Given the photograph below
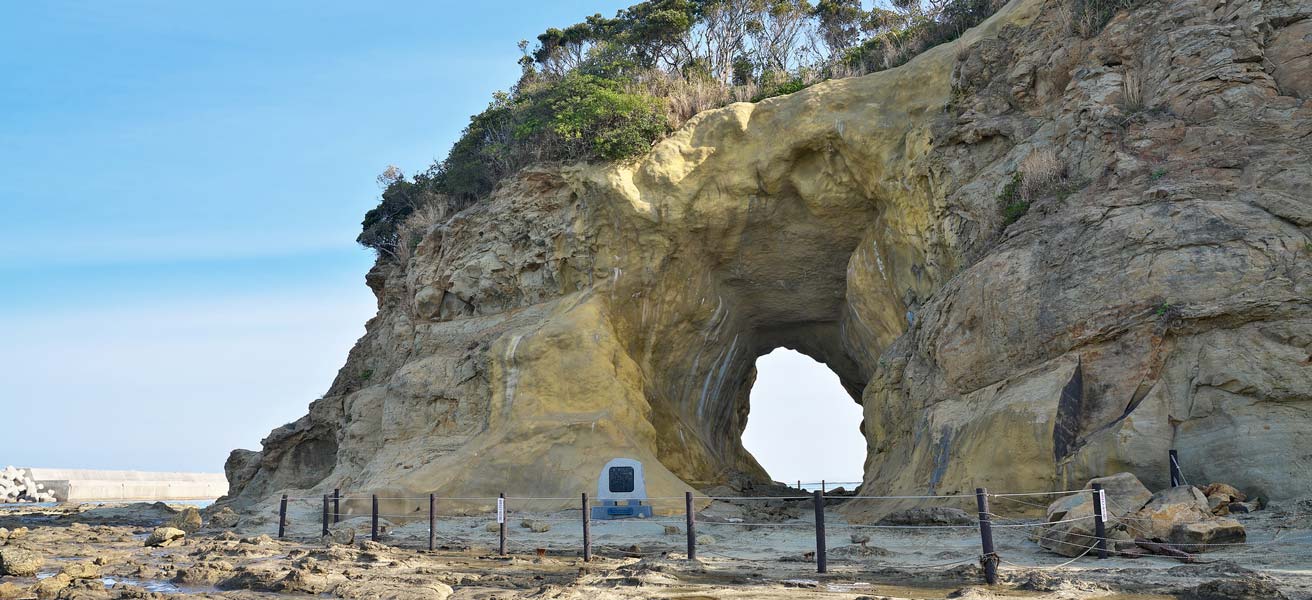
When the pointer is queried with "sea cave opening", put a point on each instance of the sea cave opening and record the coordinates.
(803, 425)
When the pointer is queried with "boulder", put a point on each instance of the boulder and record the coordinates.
(224, 518)
(1221, 496)
(1242, 507)
(163, 537)
(204, 572)
(340, 534)
(1168, 508)
(17, 562)
(51, 586)
(188, 520)
(81, 570)
(1072, 531)
(933, 515)
(535, 526)
(1199, 535)
(1224, 489)
(1235, 588)
(11, 591)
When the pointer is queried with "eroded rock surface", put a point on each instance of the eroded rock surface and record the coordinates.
(1155, 294)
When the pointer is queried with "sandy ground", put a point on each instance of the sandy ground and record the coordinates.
(767, 555)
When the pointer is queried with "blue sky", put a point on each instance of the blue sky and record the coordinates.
(181, 185)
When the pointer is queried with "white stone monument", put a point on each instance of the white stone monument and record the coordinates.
(621, 490)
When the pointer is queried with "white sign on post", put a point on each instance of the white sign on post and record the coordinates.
(1102, 502)
(501, 510)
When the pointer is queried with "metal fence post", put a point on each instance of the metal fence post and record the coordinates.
(692, 525)
(1176, 478)
(989, 560)
(337, 504)
(1100, 519)
(587, 530)
(282, 516)
(821, 561)
(373, 524)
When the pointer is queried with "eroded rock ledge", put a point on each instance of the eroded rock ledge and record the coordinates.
(1160, 277)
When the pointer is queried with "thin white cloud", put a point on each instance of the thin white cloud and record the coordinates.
(173, 386)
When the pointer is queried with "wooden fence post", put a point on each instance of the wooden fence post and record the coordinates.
(373, 524)
(587, 530)
(821, 561)
(1100, 519)
(989, 560)
(432, 522)
(282, 516)
(691, 517)
(501, 517)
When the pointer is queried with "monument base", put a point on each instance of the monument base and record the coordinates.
(633, 510)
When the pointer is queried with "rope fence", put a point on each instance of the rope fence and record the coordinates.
(487, 521)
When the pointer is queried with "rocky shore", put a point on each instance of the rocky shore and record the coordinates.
(157, 550)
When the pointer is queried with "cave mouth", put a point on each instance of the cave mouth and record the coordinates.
(802, 424)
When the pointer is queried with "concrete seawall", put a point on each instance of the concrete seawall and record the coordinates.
(78, 485)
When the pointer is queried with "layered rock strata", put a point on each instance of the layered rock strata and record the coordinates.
(1154, 295)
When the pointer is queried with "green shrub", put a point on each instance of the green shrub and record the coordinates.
(785, 87)
(585, 117)
(904, 38)
(1088, 17)
(598, 89)
(578, 117)
(1010, 202)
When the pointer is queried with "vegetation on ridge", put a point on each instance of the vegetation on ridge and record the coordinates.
(607, 88)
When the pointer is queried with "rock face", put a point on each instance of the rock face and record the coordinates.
(932, 515)
(1154, 294)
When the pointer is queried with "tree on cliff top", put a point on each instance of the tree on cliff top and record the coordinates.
(605, 89)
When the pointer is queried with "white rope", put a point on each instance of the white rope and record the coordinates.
(908, 526)
(1016, 523)
(744, 524)
(1048, 568)
(948, 496)
(755, 498)
(1178, 469)
(1057, 493)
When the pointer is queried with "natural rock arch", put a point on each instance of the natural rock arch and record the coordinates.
(589, 312)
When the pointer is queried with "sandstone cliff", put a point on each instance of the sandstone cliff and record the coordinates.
(1155, 294)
